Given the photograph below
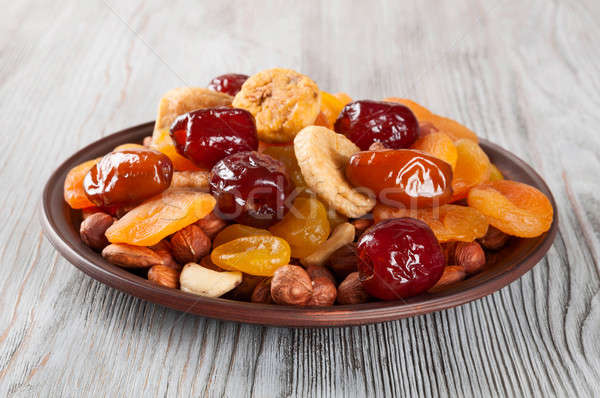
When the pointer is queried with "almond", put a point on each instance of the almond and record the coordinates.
(350, 291)
(211, 225)
(452, 274)
(129, 256)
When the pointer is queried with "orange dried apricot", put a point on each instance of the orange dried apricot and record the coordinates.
(286, 154)
(343, 97)
(331, 106)
(419, 111)
(513, 207)
(452, 128)
(472, 168)
(495, 174)
(254, 255)
(439, 145)
(448, 222)
(305, 227)
(73, 189)
(161, 141)
(160, 216)
(236, 231)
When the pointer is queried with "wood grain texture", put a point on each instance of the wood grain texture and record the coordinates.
(525, 75)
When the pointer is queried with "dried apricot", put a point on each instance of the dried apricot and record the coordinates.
(160, 216)
(472, 168)
(439, 145)
(513, 207)
(419, 110)
(236, 231)
(73, 189)
(495, 174)
(305, 227)
(331, 107)
(343, 97)
(254, 255)
(124, 147)
(162, 141)
(448, 222)
(452, 128)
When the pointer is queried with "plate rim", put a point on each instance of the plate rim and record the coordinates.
(276, 315)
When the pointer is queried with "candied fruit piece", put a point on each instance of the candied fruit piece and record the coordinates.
(305, 227)
(286, 155)
(251, 187)
(495, 174)
(74, 192)
(448, 222)
(235, 231)
(230, 83)
(162, 142)
(513, 207)
(402, 177)
(419, 110)
(331, 107)
(439, 145)
(254, 255)
(472, 168)
(160, 216)
(127, 177)
(365, 122)
(399, 258)
(206, 136)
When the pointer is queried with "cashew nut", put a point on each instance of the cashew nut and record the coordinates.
(205, 282)
(341, 235)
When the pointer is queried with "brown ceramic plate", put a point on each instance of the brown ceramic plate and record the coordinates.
(61, 226)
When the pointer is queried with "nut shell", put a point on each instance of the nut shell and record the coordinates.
(129, 256)
(350, 291)
(470, 255)
(190, 244)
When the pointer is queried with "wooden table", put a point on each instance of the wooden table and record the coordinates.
(525, 75)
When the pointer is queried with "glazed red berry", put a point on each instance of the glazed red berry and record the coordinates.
(252, 188)
(206, 136)
(399, 258)
(365, 122)
(230, 83)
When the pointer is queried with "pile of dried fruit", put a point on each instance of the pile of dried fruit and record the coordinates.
(266, 189)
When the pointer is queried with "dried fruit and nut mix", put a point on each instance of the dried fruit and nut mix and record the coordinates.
(265, 189)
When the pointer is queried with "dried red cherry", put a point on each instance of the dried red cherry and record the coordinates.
(365, 122)
(206, 136)
(252, 188)
(399, 258)
(127, 177)
(230, 83)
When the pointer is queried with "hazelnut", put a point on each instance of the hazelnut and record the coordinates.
(211, 225)
(470, 255)
(262, 292)
(291, 285)
(129, 256)
(147, 141)
(350, 291)
(344, 261)
(92, 230)
(162, 245)
(190, 244)
(324, 292)
(164, 276)
(244, 290)
(494, 239)
(316, 271)
(452, 274)
(168, 259)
